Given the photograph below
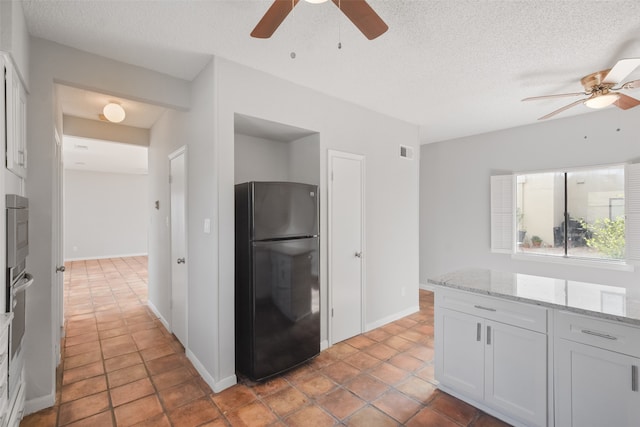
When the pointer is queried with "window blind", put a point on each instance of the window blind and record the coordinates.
(502, 216)
(632, 211)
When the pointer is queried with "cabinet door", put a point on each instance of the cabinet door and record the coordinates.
(460, 352)
(16, 114)
(595, 387)
(516, 372)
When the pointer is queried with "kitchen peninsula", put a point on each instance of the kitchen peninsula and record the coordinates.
(539, 351)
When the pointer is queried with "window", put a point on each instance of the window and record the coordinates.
(572, 214)
(586, 214)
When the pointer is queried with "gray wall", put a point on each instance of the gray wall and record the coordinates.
(391, 189)
(105, 214)
(193, 129)
(261, 159)
(454, 188)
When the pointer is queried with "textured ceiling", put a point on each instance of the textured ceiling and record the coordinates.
(455, 68)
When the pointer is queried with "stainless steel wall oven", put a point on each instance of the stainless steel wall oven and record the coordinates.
(18, 280)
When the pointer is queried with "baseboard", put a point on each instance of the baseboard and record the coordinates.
(216, 386)
(105, 257)
(428, 287)
(324, 344)
(392, 318)
(34, 405)
(157, 313)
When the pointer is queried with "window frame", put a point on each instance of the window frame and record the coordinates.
(632, 219)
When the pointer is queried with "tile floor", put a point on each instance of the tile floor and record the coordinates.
(121, 367)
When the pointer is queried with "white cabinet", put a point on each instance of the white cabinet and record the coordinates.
(486, 360)
(5, 322)
(597, 365)
(460, 352)
(16, 121)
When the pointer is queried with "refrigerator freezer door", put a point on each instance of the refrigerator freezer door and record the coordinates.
(287, 304)
(284, 210)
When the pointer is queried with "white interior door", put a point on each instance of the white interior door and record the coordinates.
(179, 273)
(346, 257)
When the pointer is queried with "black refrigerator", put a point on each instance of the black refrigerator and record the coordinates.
(277, 288)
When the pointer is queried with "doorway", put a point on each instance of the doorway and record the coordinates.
(346, 243)
(179, 271)
(100, 190)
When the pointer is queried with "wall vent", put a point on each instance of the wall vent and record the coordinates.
(406, 152)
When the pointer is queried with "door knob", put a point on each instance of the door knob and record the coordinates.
(60, 269)
(181, 260)
(358, 254)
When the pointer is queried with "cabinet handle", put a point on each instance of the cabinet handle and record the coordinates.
(484, 308)
(488, 335)
(598, 334)
(479, 332)
(634, 378)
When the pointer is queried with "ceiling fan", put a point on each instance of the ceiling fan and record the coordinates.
(603, 89)
(358, 11)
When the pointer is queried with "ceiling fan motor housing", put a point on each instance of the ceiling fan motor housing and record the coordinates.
(593, 83)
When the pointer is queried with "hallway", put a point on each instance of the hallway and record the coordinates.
(121, 367)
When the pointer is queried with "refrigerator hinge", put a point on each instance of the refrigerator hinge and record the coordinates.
(169, 179)
(332, 312)
(331, 175)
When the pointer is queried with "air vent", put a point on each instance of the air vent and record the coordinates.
(406, 152)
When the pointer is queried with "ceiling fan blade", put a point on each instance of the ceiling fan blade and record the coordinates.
(634, 84)
(560, 95)
(363, 16)
(621, 70)
(560, 110)
(273, 18)
(625, 102)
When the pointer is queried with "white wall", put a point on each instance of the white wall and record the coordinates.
(220, 91)
(53, 63)
(391, 252)
(195, 129)
(454, 188)
(106, 214)
(304, 160)
(14, 37)
(260, 159)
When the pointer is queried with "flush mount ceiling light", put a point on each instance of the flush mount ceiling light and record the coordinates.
(315, 1)
(602, 100)
(113, 112)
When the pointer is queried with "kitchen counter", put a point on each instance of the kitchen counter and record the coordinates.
(607, 302)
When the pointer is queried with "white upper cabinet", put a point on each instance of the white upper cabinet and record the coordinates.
(16, 121)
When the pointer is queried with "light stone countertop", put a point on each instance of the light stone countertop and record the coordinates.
(607, 302)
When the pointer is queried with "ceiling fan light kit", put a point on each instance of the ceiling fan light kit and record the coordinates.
(602, 101)
(601, 88)
(357, 11)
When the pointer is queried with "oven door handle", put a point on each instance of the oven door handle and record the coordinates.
(26, 282)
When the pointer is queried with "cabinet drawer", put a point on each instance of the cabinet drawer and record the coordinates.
(614, 336)
(514, 313)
